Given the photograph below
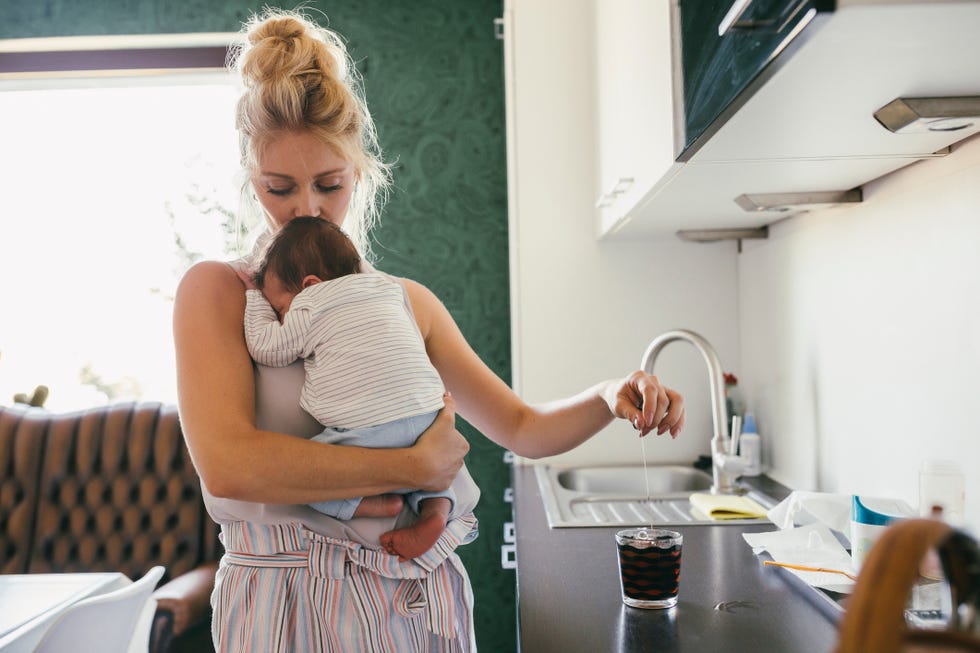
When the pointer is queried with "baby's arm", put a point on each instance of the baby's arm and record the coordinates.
(269, 342)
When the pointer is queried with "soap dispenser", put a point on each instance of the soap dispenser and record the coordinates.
(750, 447)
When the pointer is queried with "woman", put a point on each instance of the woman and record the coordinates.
(291, 578)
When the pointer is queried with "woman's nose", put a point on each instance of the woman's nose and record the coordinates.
(308, 204)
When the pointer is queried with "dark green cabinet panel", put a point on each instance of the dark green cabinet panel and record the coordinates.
(717, 69)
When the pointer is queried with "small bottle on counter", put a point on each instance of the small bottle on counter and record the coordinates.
(942, 485)
(750, 447)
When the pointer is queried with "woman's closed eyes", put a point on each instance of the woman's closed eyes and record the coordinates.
(320, 188)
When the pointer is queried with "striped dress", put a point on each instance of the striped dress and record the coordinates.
(284, 589)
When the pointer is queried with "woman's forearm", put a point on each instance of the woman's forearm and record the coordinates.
(558, 426)
(561, 425)
(267, 467)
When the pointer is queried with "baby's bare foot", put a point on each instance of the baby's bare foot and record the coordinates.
(381, 505)
(413, 541)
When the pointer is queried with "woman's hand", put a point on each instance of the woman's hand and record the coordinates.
(647, 405)
(438, 453)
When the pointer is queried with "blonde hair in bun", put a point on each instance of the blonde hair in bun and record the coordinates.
(297, 76)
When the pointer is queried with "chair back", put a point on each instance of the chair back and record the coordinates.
(115, 622)
(874, 621)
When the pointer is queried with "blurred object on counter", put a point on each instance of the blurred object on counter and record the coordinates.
(869, 518)
(876, 618)
(942, 485)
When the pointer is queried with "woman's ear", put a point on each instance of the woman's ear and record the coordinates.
(311, 279)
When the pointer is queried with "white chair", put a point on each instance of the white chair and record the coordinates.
(115, 622)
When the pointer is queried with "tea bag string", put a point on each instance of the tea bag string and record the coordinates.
(646, 478)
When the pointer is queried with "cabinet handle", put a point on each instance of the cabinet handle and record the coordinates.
(732, 20)
(508, 556)
(621, 186)
(508, 552)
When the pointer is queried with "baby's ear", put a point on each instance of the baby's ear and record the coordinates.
(311, 279)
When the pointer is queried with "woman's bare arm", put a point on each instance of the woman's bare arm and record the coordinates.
(492, 407)
(216, 395)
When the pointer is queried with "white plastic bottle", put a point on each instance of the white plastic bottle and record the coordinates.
(750, 447)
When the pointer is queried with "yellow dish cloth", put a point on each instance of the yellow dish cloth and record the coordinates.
(723, 506)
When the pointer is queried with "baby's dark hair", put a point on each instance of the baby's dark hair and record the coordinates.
(305, 246)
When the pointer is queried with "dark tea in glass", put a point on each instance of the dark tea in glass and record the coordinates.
(649, 566)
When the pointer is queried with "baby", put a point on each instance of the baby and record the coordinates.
(368, 378)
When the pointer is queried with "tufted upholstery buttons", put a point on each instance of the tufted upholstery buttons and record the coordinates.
(106, 489)
(21, 443)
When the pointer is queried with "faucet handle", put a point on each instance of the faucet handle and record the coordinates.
(730, 464)
(736, 433)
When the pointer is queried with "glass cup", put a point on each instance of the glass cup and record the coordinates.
(649, 566)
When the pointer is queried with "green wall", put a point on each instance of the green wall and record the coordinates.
(433, 74)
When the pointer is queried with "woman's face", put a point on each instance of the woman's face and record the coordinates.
(298, 175)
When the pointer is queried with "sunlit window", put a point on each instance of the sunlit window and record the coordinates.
(109, 194)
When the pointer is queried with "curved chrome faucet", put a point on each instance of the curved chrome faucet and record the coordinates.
(726, 466)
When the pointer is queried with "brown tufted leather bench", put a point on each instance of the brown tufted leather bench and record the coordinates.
(110, 489)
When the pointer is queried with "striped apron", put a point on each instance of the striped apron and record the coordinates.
(283, 588)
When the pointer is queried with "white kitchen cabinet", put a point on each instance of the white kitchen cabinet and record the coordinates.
(806, 124)
(635, 112)
(701, 196)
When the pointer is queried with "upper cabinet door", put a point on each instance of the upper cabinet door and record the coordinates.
(725, 45)
(635, 103)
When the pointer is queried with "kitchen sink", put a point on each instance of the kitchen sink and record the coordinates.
(631, 481)
(618, 495)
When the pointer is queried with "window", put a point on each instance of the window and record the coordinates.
(111, 190)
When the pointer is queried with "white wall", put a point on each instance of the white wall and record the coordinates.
(585, 310)
(860, 334)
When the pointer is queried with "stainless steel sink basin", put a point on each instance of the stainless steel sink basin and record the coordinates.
(617, 495)
(630, 480)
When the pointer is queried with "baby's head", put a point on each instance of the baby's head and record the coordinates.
(305, 251)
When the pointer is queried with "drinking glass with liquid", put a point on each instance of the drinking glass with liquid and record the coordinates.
(649, 566)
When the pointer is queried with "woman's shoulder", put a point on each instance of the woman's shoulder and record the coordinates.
(211, 281)
(423, 302)
(418, 292)
(425, 306)
(214, 272)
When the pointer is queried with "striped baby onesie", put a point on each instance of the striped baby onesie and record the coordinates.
(364, 357)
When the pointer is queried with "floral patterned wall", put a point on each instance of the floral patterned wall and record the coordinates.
(433, 74)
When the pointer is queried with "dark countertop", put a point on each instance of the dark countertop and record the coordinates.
(569, 598)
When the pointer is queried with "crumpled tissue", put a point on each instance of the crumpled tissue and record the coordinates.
(801, 508)
(807, 521)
